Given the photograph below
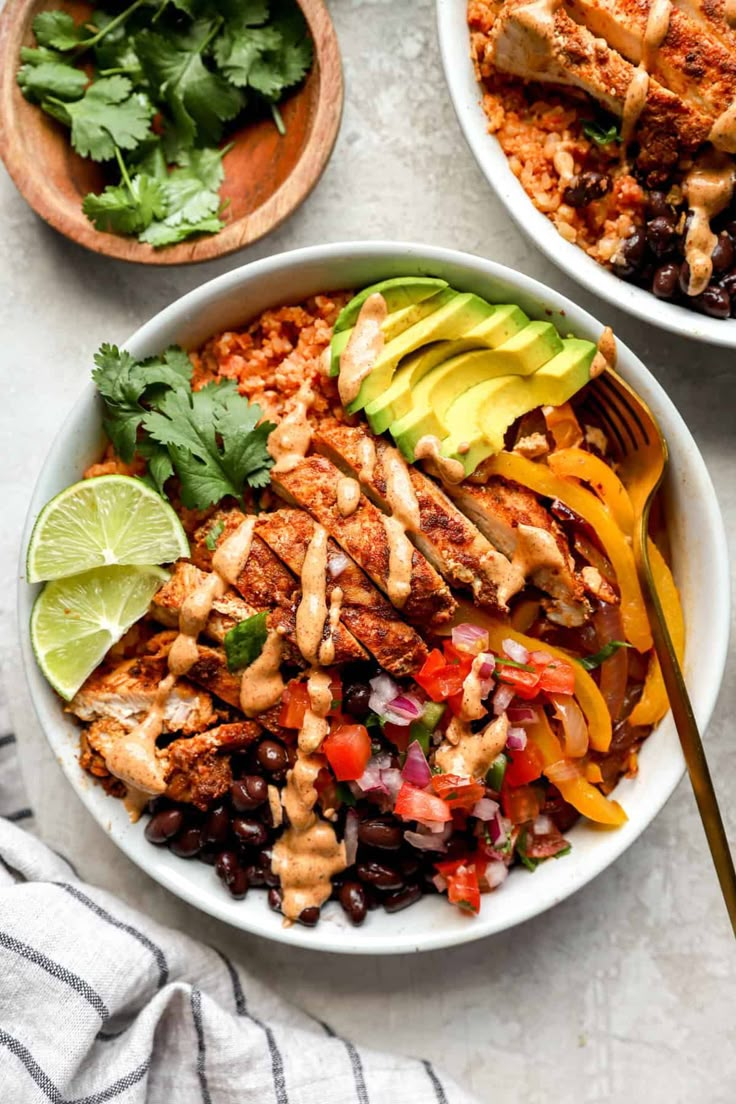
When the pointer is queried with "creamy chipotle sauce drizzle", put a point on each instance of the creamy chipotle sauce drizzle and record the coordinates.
(348, 495)
(655, 32)
(471, 705)
(363, 349)
(448, 470)
(312, 611)
(468, 753)
(289, 442)
(708, 188)
(261, 684)
(367, 458)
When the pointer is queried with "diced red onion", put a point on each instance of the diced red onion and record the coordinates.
(336, 564)
(542, 659)
(502, 698)
(562, 771)
(403, 709)
(371, 780)
(515, 651)
(497, 831)
(569, 712)
(392, 782)
(495, 873)
(516, 739)
(428, 841)
(470, 638)
(416, 768)
(351, 836)
(521, 714)
(543, 825)
(440, 883)
(383, 690)
(488, 666)
(485, 809)
(435, 826)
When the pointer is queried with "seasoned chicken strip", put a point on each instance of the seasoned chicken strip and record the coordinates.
(313, 486)
(364, 611)
(451, 543)
(539, 42)
(211, 671)
(516, 522)
(126, 692)
(198, 769)
(264, 582)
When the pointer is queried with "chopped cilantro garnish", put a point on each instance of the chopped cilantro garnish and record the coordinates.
(589, 663)
(244, 642)
(601, 134)
(216, 531)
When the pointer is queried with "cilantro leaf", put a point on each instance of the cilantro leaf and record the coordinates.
(244, 642)
(124, 209)
(589, 663)
(600, 134)
(51, 78)
(237, 50)
(57, 29)
(191, 199)
(159, 465)
(281, 68)
(123, 382)
(216, 531)
(200, 101)
(213, 440)
(159, 234)
(107, 116)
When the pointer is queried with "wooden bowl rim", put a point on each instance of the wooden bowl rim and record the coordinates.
(236, 235)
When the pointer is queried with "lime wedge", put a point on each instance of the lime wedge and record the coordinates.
(75, 621)
(112, 519)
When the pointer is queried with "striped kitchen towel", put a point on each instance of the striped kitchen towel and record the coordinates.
(99, 1003)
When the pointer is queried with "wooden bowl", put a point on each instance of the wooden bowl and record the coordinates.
(267, 176)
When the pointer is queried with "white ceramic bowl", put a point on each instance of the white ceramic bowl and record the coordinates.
(454, 38)
(699, 554)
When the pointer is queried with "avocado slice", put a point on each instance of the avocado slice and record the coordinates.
(395, 323)
(399, 292)
(521, 355)
(461, 313)
(504, 321)
(477, 421)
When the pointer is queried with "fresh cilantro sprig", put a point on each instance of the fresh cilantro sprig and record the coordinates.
(213, 439)
(153, 89)
(602, 134)
(244, 642)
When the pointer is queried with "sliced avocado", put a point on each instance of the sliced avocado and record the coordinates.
(521, 355)
(395, 323)
(504, 321)
(400, 291)
(463, 311)
(477, 421)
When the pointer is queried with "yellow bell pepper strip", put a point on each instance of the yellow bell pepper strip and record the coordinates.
(579, 464)
(563, 425)
(541, 479)
(653, 703)
(587, 693)
(566, 775)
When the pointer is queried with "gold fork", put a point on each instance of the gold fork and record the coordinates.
(642, 451)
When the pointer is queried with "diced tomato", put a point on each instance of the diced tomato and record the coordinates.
(457, 792)
(524, 766)
(415, 804)
(455, 702)
(425, 676)
(463, 889)
(441, 679)
(348, 749)
(455, 655)
(294, 705)
(399, 735)
(525, 683)
(521, 803)
(555, 676)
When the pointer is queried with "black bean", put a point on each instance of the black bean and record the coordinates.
(379, 875)
(272, 756)
(402, 898)
(657, 205)
(355, 699)
(226, 865)
(208, 855)
(585, 188)
(275, 899)
(239, 885)
(248, 792)
(715, 301)
(457, 846)
(164, 825)
(353, 901)
(380, 832)
(309, 916)
(216, 827)
(665, 281)
(661, 235)
(255, 875)
(250, 832)
(723, 253)
(265, 863)
(630, 256)
(187, 844)
(409, 866)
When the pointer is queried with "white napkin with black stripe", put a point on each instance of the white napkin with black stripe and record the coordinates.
(99, 1003)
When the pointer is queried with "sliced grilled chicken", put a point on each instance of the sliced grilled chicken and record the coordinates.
(313, 486)
(542, 43)
(125, 693)
(264, 581)
(450, 542)
(516, 522)
(691, 61)
(198, 770)
(211, 671)
(396, 646)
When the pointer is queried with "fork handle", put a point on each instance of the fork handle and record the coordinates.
(692, 745)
